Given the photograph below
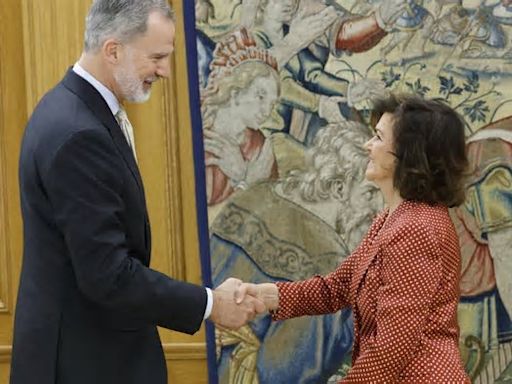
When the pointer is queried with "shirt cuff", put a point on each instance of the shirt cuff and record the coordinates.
(209, 304)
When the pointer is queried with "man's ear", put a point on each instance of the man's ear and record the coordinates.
(111, 50)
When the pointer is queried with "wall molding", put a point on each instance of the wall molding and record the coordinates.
(184, 351)
(5, 299)
(5, 353)
(172, 351)
(182, 183)
(173, 193)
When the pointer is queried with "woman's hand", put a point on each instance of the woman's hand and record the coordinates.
(268, 293)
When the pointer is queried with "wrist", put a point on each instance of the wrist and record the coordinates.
(215, 306)
(270, 295)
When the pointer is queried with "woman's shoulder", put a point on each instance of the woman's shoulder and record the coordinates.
(416, 210)
(420, 217)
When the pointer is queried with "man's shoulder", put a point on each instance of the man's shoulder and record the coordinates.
(61, 112)
(59, 116)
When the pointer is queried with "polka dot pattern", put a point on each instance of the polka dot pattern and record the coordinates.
(402, 283)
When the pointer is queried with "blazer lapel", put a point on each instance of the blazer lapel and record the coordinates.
(370, 251)
(92, 98)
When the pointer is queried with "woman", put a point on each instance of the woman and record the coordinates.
(402, 282)
(307, 224)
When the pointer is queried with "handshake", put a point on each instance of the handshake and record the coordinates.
(235, 303)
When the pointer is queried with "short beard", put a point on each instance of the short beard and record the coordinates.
(130, 85)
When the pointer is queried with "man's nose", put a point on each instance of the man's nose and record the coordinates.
(164, 68)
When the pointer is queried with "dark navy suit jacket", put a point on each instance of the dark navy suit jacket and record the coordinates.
(88, 305)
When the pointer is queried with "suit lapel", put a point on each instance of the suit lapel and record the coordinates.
(92, 98)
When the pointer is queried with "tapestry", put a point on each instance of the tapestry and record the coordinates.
(280, 110)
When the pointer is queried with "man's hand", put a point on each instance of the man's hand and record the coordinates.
(230, 314)
(268, 293)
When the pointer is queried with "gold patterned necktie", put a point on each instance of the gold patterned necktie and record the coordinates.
(126, 127)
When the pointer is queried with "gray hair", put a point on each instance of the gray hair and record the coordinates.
(121, 19)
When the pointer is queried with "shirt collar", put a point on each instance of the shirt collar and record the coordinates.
(106, 93)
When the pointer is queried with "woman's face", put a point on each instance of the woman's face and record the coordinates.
(254, 104)
(382, 161)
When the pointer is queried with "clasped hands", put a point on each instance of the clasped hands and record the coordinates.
(235, 303)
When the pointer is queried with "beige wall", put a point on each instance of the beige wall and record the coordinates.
(39, 40)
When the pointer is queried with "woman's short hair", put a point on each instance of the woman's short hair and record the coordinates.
(429, 144)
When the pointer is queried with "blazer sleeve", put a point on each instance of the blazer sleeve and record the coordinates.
(320, 294)
(411, 273)
(84, 184)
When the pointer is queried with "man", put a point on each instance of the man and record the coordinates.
(88, 305)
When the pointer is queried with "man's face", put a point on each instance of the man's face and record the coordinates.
(145, 59)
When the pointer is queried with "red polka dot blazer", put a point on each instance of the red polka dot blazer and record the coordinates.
(402, 283)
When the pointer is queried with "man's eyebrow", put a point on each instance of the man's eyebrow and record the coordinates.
(160, 54)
